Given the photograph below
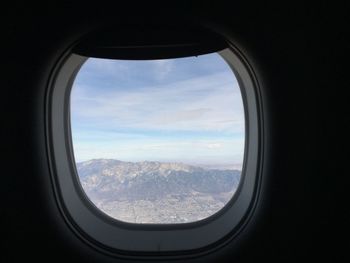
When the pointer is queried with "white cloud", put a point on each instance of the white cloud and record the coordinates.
(198, 120)
(162, 67)
(210, 103)
(180, 116)
(107, 66)
(214, 145)
(209, 151)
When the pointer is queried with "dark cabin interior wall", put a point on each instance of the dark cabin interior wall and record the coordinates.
(300, 56)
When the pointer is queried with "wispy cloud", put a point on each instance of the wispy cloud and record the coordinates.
(203, 103)
(185, 109)
(161, 149)
(162, 68)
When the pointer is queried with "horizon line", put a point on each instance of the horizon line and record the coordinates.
(202, 165)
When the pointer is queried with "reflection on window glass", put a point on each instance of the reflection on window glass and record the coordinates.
(158, 141)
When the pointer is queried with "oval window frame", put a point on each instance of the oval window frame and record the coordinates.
(114, 236)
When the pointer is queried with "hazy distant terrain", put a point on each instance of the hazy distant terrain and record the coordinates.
(156, 192)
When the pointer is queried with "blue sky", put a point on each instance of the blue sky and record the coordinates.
(185, 110)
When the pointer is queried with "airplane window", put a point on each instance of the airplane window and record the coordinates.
(158, 141)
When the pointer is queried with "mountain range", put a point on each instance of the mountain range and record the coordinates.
(108, 181)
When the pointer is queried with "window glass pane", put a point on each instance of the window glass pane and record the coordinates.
(158, 141)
